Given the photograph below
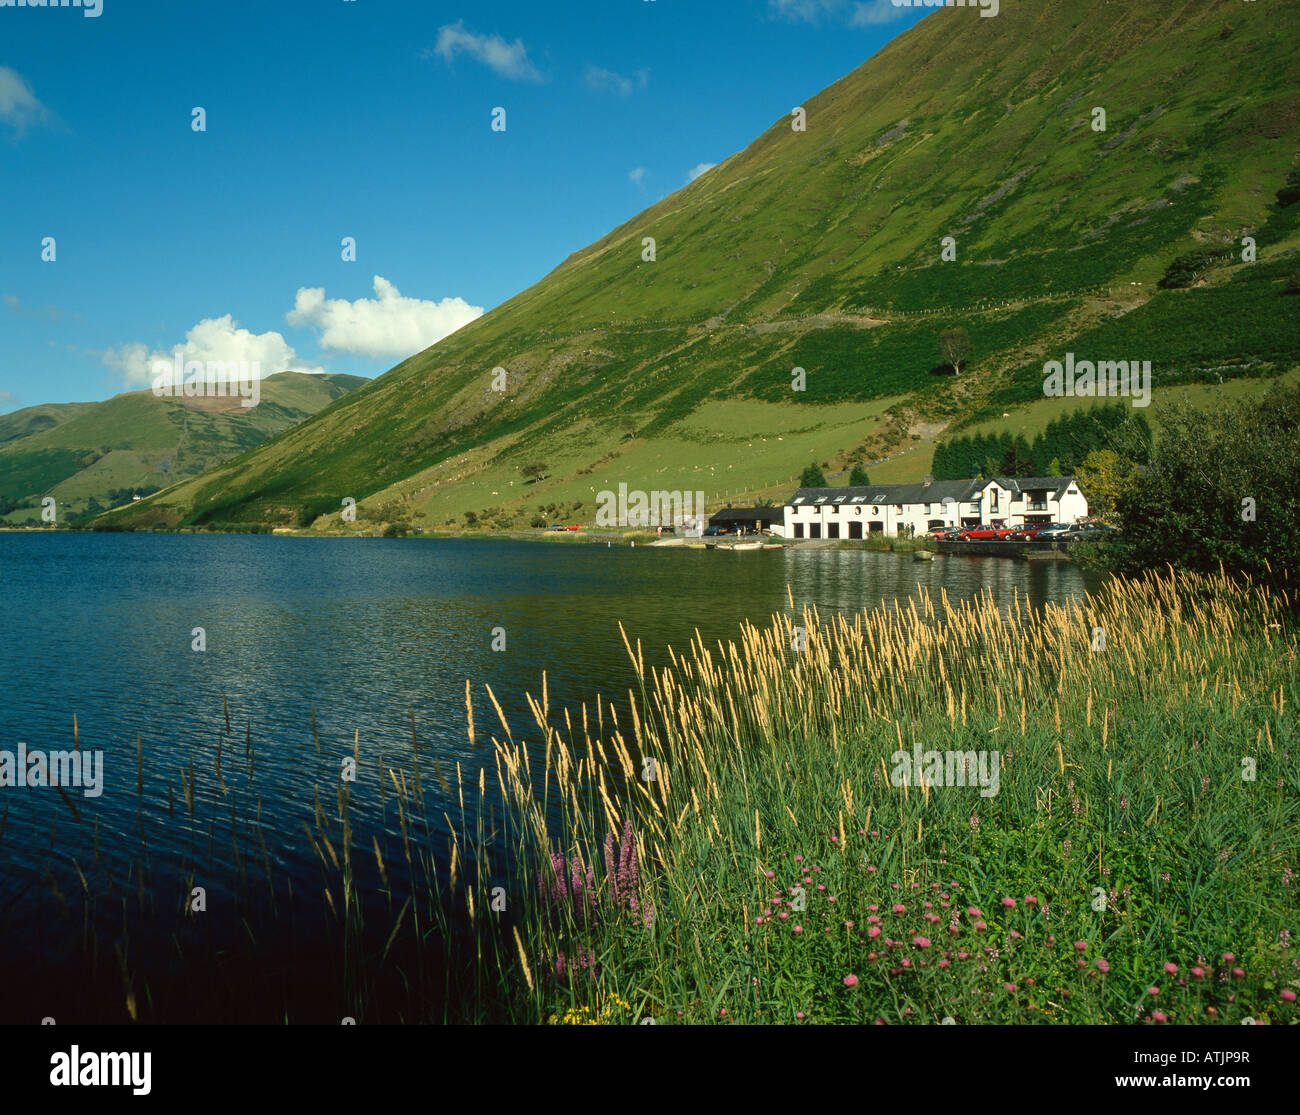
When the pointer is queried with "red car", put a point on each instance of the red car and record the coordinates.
(996, 532)
(1030, 532)
(574, 526)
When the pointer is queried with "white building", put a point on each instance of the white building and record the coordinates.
(901, 509)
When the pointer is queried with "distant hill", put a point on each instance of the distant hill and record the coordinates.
(821, 249)
(34, 420)
(93, 456)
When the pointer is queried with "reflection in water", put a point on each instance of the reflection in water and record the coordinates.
(365, 634)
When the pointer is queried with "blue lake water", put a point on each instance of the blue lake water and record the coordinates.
(367, 633)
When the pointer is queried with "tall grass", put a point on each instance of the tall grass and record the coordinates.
(1124, 813)
(652, 857)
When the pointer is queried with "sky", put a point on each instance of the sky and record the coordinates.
(364, 119)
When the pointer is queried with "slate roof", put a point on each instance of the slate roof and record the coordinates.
(747, 515)
(1054, 484)
(961, 491)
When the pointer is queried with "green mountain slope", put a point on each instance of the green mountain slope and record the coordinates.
(34, 420)
(821, 249)
(138, 441)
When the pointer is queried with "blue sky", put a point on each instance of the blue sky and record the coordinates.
(353, 118)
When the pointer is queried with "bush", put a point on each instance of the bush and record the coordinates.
(1222, 487)
(813, 477)
(1188, 268)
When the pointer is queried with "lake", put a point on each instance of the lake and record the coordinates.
(366, 633)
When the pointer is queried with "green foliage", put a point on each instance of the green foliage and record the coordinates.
(1221, 487)
(813, 477)
(858, 478)
(535, 471)
(1289, 194)
(1065, 443)
(1243, 327)
(1187, 269)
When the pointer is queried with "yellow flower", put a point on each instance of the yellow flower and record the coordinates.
(574, 1016)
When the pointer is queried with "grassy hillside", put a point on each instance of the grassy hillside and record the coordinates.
(80, 453)
(821, 249)
(33, 420)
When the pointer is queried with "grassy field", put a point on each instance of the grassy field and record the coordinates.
(1134, 862)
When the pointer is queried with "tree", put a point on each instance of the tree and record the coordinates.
(858, 478)
(535, 472)
(813, 477)
(1019, 459)
(1188, 268)
(1102, 476)
(1290, 193)
(954, 348)
(1222, 486)
(1054, 469)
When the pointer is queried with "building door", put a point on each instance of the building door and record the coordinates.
(855, 530)
(814, 530)
(832, 530)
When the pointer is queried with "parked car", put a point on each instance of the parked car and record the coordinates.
(1090, 532)
(980, 534)
(1056, 532)
(953, 534)
(937, 532)
(711, 531)
(557, 526)
(574, 526)
(1031, 532)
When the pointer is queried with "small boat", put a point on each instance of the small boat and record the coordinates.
(922, 555)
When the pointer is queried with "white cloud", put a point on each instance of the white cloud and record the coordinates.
(856, 13)
(15, 306)
(809, 11)
(871, 12)
(638, 175)
(19, 107)
(607, 81)
(214, 339)
(508, 60)
(388, 325)
(698, 169)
